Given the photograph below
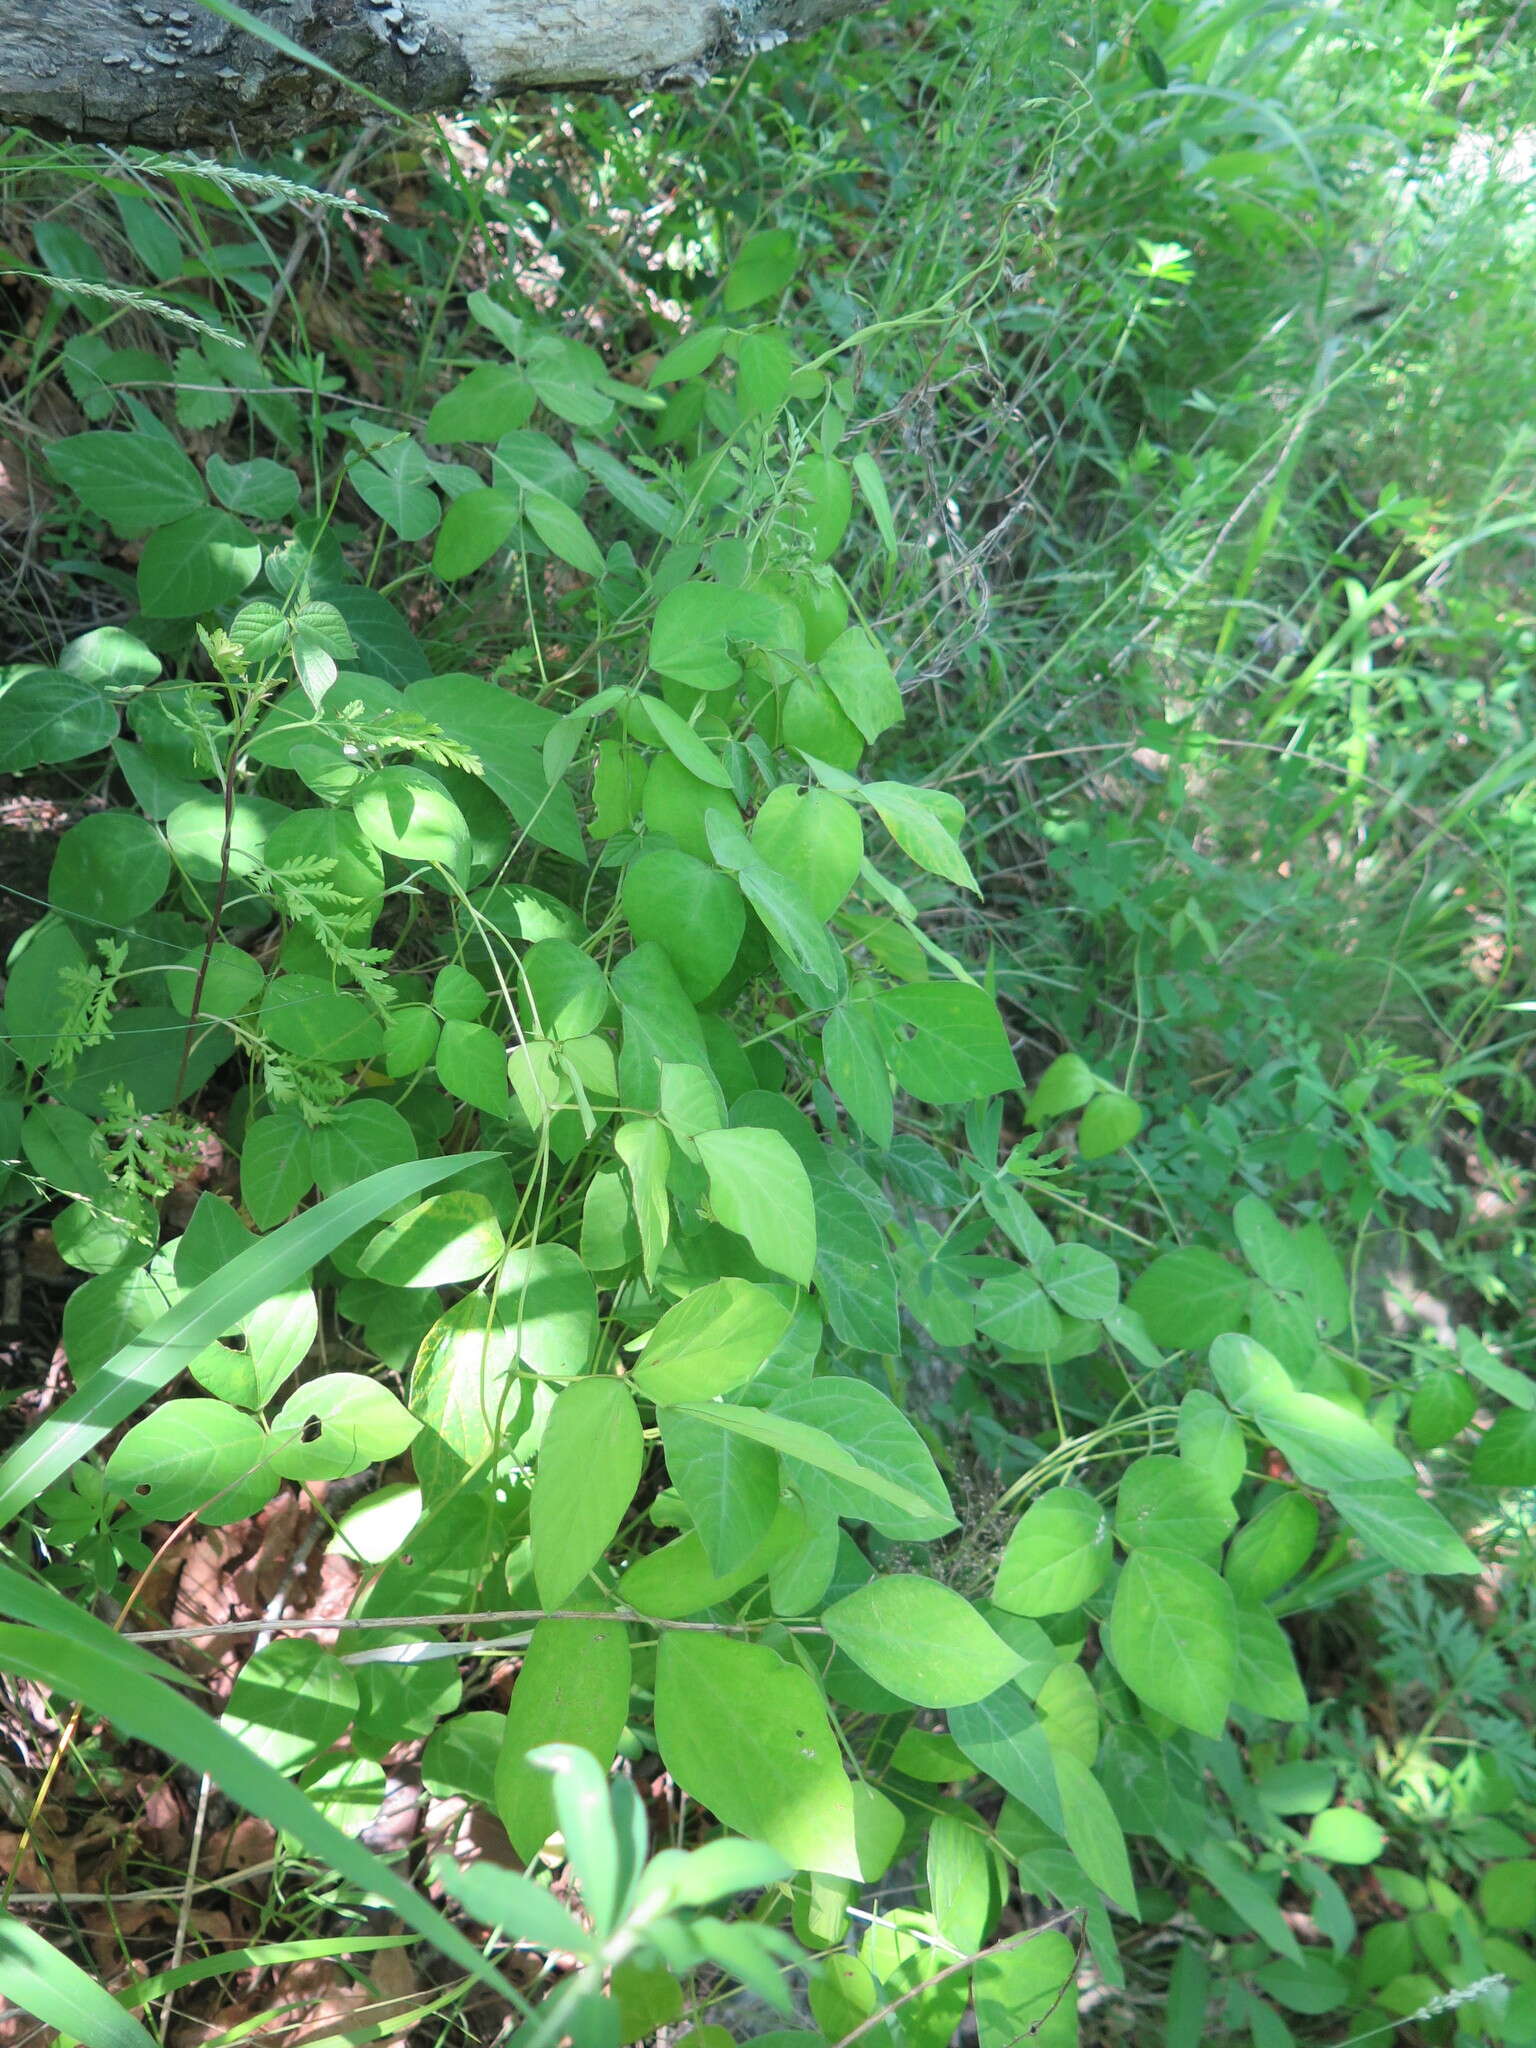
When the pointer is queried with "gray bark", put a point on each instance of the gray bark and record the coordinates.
(169, 72)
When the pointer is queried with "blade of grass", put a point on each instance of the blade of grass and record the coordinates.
(264, 32)
(150, 1711)
(59, 1993)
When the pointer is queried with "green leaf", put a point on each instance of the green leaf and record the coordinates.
(833, 1479)
(1211, 1441)
(952, 1046)
(444, 1241)
(699, 626)
(1082, 1282)
(1092, 1832)
(921, 1640)
(1400, 1525)
(855, 1277)
(639, 499)
(1506, 1451)
(1066, 1084)
(1275, 1254)
(170, 1343)
(1173, 1638)
(278, 1338)
(646, 1151)
(47, 715)
(1443, 1404)
(471, 1063)
(527, 1913)
(112, 657)
(1343, 1835)
(819, 504)
(305, 1015)
(570, 380)
(1015, 1311)
(259, 489)
(747, 1736)
(728, 1483)
(784, 909)
(573, 1687)
(690, 357)
(195, 565)
(506, 734)
(1187, 1298)
(109, 869)
(678, 1580)
(408, 506)
(59, 1993)
(466, 1394)
(1499, 1378)
(710, 1342)
(491, 400)
(925, 824)
(233, 983)
(759, 1188)
(149, 1711)
(1271, 1548)
(1369, 1482)
(1110, 1121)
(548, 1304)
(695, 914)
(765, 369)
(408, 813)
(855, 1060)
(1266, 1680)
(563, 532)
(856, 671)
(1028, 1991)
(589, 1466)
(684, 741)
(1164, 1504)
(872, 484)
(133, 481)
(292, 1700)
(476, 525)
(1247, 1895)
(1057, 1557)
(359, 1138)
(1003, 1738)
(276, 1167)
(962, 1880)
(764, 268)
(1189, 1997)
(815, 839)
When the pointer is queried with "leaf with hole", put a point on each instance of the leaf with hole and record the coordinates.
(949, 1044)
(193, 1455)
(339, 1424)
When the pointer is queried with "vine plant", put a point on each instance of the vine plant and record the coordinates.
(591, 1067)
